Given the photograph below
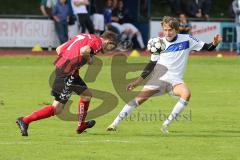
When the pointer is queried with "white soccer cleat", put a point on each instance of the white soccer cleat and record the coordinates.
(164, 129)
(111, 128)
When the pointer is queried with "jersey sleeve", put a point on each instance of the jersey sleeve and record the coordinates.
(154, 57)
(195, 44)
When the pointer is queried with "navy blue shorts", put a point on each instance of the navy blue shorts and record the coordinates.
(62, 90)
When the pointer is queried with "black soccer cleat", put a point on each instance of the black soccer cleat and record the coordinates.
(91, 123)
(22, 126)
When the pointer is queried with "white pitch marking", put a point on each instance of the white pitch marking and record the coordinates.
(105, 141)
(14, 143)
(93, 141)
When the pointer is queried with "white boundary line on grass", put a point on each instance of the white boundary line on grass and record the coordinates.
(74, 142)
(105, 141)
(14, 143)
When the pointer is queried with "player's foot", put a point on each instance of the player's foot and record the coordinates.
(111, 128)
(23, 126)
(164, 129)
(85, 125)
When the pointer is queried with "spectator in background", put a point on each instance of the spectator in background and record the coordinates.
(112, 26)
(43, 8)
(120, 14)
(184, 25)
(49, 7)
(60, 13)
(122, 20)
(108, 12)
(236, 9)
(130, 30)
(72, 17)
(194, 8)
(98, 15)
(80, 9)
(117, 18)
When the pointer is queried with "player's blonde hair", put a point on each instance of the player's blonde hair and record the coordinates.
(112, 37)
(171, 21)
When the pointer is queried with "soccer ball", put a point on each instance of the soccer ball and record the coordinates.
(156, 45)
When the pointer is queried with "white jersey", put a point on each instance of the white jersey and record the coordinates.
(81, 9)
(175, 56)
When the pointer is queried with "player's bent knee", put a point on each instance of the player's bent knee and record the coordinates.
(140, 100)
(87, 96)
(58, 109)
(186, 95)
(133, 102)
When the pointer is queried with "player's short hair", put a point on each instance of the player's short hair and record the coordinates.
(171, 21)
(112, 37)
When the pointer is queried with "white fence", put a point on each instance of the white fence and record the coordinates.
(28, 32)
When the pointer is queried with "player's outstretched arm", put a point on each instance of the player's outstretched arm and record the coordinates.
(147, 70)
(211, 46)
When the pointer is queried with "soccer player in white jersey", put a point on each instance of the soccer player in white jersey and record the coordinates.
(168, 72)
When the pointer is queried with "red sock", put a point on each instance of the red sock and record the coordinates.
(82, 111)
(45, 112)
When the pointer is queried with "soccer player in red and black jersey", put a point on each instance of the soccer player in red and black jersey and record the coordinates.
(73, 54)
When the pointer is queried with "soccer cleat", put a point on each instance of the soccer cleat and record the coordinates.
(85, 125)
(22, 126)
(111, 128)
(90, 123)
(164, 129)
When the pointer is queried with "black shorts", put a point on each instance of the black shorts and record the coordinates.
(78, 86)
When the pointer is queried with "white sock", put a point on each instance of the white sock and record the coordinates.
(178, 108)
(127, 109)
(140, 40)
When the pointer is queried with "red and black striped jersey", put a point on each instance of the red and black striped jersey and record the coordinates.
(69, 58)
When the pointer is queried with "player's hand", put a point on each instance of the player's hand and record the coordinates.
(85, 51)
(217, 39)
(131, 86)
(134, 84)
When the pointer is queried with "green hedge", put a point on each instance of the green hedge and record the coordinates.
(20, 7)
(220, 9)
(158, 7)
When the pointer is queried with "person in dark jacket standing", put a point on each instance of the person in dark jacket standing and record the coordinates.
(60, 15)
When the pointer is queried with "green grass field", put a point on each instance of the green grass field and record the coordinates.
(210, 130)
